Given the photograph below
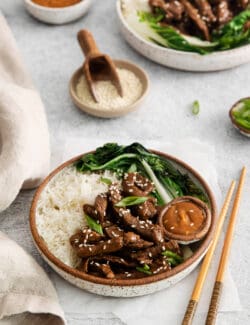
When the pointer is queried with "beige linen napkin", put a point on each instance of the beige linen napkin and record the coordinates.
(27, 297)
(24, 138)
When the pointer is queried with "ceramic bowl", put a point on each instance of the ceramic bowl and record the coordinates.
(182, 60)
(127, 287)
(141, 74)
(241, 129)
(57, 16)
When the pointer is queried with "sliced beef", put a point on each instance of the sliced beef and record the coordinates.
(160, 265)
(242, 4)
(146, 256)
(135, 184)
(107, 259)
(146, 228)
(114, 231)
(223, 12)
(195, 16)
(147, 209)
(206, 11)
(103, 247)
(85, 236)
(134, 241)
(98, 211)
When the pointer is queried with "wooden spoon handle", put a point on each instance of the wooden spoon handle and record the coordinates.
(87, 42)
(214, 304)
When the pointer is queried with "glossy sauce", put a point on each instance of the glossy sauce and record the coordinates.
(184, 218)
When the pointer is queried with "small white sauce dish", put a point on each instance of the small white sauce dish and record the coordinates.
(58, 16)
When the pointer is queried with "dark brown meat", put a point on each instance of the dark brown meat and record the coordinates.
(135, 184)
(101, 205)
(174, 9)
(242, 4)
(146, 228)
(85, 236)
(107, 259)
(247, 25)
(105, 269)
(195, 16)
(147, 209)
(206, 11)
(114, 231)
(134, 241)
(146, 256)
(160, 265)
(99, 210)
(103, 247)
(223, 13)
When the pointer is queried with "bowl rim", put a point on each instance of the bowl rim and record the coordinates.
(166, 49)
(59, 9)
(116, 112)
(42, 248)
(234, 122)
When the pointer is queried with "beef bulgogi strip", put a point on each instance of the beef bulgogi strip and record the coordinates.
(198, 17)
(130, 236)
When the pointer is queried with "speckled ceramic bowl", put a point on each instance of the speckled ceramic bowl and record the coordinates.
(241, 129)
(182, 60)
(58, 16)
(127, 287)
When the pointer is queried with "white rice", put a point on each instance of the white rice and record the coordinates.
(60, 209)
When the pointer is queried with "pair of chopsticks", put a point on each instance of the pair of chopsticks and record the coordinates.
(214, 302)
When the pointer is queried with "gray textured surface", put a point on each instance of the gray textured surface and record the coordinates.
(52, 54)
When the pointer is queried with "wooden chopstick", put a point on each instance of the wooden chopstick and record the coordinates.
(191, 308)
(215, 299)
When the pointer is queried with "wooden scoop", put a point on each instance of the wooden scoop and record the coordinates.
(97, 66)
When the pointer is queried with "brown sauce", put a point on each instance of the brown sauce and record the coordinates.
(184, 218)
(56, 3)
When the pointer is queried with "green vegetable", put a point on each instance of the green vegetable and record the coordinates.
(131, 200)
(132, 168)
(231, 35)
(94, 225)
(106, 180)
(169, 182)
(196, 107)
(145, 269)
(241, 113)
(178, 259)
(172, 261)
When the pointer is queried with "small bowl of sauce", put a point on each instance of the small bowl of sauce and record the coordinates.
(240, 116)
(185, 219)
(57, 12)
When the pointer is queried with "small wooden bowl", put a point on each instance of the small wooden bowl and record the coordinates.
(240, 128)
(125, 287)
(187, 239)
(104, 113)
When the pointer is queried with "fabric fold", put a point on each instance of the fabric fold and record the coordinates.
(24, 137)
(26, 294)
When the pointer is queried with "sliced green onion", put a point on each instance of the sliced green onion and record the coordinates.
(144, 269)
(173, 255)
(131, 200)
(94, 225)
(106, 180)
(196, 107)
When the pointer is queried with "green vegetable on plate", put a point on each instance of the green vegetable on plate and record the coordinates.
(241, 113)
(196, 107)
(94, 225)
(144, 269)
(233, 34)
(169, 182)
(131, 200)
